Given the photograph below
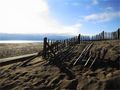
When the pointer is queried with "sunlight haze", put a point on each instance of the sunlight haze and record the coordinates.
(58, 16)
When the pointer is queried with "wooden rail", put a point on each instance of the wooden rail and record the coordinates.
(81, 56)
(16, 58)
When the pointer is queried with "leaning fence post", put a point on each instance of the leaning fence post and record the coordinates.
(118, 33)
(44, 47)
(79, 39)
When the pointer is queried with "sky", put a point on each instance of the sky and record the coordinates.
(69, 17)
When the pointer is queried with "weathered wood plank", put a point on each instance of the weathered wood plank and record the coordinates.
(93, 62)
(84, 50)
(17, 57)
(87, 61)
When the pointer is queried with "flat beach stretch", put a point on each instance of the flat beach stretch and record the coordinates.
(10, 49)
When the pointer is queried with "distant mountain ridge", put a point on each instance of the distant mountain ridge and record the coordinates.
(6, 36)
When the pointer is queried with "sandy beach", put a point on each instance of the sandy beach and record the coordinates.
(40, 74)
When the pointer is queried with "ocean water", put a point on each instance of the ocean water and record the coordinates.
(20, 41)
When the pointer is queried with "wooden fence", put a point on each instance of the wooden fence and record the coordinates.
(102, 36)
(52, 47)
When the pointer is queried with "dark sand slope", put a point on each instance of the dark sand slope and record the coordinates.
(39, 74)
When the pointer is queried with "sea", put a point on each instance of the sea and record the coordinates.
(20, 41)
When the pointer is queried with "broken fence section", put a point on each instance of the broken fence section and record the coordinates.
(52, 47)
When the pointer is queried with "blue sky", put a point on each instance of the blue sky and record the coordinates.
(77, 11)
(59, 16)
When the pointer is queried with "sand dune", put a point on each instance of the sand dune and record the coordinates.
(39, 74)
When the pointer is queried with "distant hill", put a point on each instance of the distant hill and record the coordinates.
(5, 36)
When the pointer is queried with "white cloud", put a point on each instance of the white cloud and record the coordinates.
(102, 17)
(94, 2)
(31, 16)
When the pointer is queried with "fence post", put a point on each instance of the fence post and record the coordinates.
(44, 47)
(47, 52)
(79, 39)
(103, 35)
(118, 33)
